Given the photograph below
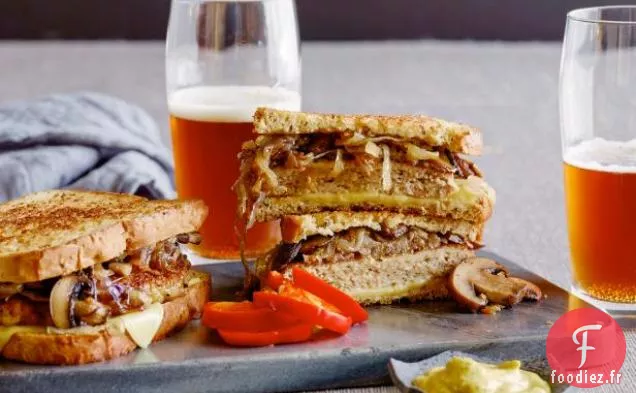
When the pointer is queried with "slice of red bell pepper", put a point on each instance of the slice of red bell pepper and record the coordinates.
(304, 306)
(289, 334)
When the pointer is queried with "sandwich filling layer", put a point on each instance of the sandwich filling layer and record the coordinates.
(359, 244)
(129, 283)
(289, 165)
(472, 202)
(299, 227)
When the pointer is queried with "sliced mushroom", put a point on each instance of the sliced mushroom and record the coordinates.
(61, 299)
(527, 290)
(479, 282)
(63, 296)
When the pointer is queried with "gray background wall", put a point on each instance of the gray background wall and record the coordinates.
(319, 19)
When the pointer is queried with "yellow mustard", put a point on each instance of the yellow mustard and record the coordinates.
(464, 375)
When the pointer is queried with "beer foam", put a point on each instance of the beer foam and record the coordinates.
(229, 103)
(603, 155)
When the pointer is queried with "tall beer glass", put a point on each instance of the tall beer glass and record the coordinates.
(223, 60)
(598, 129)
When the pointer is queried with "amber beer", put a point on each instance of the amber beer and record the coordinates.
(208, 126)
(600, 187)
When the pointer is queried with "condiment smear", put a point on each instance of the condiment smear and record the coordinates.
(465, 375)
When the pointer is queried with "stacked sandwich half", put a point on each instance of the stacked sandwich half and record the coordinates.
(382, 207)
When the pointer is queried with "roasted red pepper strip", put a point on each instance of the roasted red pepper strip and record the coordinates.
(305, 308)
(290, 334)
(274, 280)
(245, 316)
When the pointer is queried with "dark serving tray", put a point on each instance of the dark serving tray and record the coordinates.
(195, 360)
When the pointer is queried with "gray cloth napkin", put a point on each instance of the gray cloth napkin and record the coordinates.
(81, 140)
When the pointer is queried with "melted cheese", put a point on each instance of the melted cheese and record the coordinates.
(468, 193)
(392, 292)
(114, 326)
(6, 332)
(142, 326)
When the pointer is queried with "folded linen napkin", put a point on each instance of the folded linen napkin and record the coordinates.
(81, 140)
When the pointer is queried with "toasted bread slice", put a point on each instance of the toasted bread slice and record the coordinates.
(473, 201)
(419, 276)
(456, 137)
(52, 233)
(79, 348)
(298, 228)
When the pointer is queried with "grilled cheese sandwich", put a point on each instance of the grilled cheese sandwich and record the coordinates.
(76, 264)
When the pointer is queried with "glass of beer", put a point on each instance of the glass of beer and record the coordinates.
(223, 60)
(598, 130)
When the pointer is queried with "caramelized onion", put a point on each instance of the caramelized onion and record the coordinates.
(415, 153)
(262, 161)
(372, 149)
(359, 139)
(355, 139)
(386, 169)
(338, 164)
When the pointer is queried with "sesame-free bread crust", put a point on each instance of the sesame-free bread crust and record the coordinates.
(73, 349)
(298, 228)
(417, 276)
(273, 208)
(456, 137)
(53, 233)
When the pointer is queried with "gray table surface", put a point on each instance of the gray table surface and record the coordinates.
(509, 90)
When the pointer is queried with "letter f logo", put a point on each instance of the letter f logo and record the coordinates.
(584, 347)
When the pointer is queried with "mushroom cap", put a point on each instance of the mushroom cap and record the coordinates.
(461, 281)
(60, 301)
(478, 282)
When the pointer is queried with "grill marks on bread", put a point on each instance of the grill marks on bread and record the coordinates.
(57, 232)
(61, 213)
(457, 137)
